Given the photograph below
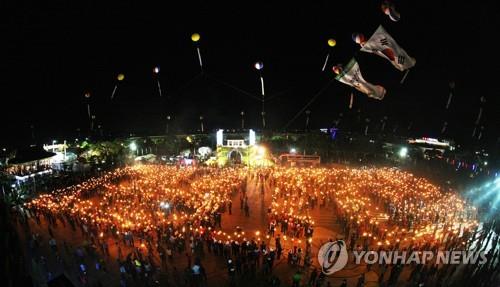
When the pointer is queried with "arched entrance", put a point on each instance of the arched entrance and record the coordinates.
(235, 157)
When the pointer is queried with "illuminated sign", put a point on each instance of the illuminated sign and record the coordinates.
(219, 137)
(430, 141)
(251, 137)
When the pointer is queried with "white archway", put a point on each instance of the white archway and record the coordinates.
(235, 156)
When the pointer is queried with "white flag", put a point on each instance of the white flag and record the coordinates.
(382, 44)
(351, 76)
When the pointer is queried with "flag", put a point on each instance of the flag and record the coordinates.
(382, 44)
(351, 76)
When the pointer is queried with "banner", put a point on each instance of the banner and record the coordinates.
(351, 76)
(382, 44)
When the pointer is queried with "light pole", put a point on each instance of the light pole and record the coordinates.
(92, 123)
(87, 96)
(168, 121)
(201, 123)
(242, 113)
(306, 142)
(156, 71)
(443, 129)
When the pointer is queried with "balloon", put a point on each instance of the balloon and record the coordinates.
(332, 42)
(337, 69)
(156, 70)
(195, 37)
(87, 95)
(120, 77)
(384, 6)
(358, 38)
(259, 65)
(389, 9)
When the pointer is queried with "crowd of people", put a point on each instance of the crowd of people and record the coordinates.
(160, 223)
(387, 209)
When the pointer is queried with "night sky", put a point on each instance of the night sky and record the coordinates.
(58, 50)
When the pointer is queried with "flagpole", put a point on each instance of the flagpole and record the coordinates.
(404, 76)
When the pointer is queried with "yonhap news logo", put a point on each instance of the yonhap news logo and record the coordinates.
(420, 257)
(332, 256)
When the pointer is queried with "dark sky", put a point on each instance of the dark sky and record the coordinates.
(59, 49)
